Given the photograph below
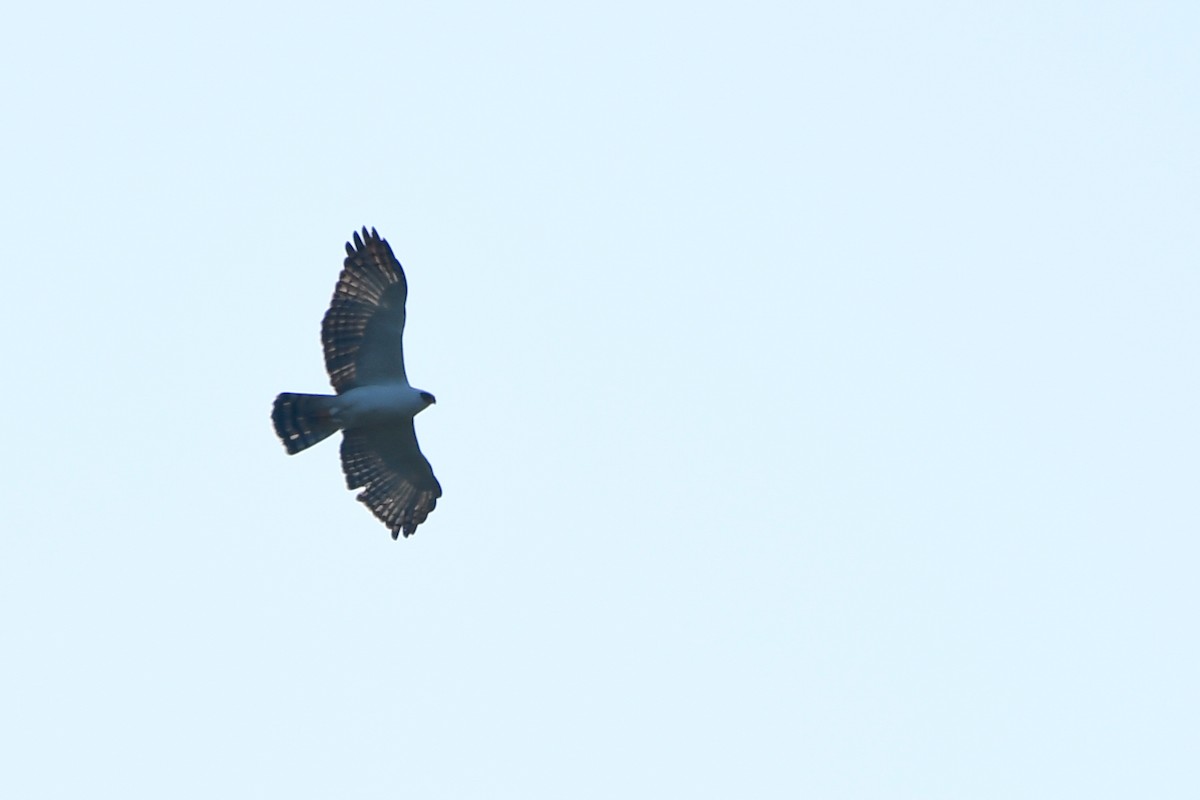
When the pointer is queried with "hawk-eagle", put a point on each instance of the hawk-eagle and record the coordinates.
(374, 406)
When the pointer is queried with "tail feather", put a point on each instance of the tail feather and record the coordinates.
(302, 420)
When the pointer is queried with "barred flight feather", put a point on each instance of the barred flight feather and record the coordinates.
(398, 483)
(302, 420)
(369, 296)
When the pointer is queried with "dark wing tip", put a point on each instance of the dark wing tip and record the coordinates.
(368, 236)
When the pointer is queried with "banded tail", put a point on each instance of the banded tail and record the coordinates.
(302, 420)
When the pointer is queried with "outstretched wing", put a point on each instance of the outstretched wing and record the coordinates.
(398, 483)
(363, 329)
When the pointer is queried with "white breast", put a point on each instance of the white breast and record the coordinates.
(373, 405)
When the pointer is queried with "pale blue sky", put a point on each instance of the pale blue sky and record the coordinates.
(817, 396)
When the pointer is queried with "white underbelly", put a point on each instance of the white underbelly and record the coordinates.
(375, 405)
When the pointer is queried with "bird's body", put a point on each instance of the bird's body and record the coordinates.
(375, 404)
(381, 404)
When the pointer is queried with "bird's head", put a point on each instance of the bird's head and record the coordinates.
(428, 399)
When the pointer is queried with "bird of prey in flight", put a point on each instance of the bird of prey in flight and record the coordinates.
(374, 405)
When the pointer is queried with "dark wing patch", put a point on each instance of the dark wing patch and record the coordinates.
(398, 483)
(363, 330)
